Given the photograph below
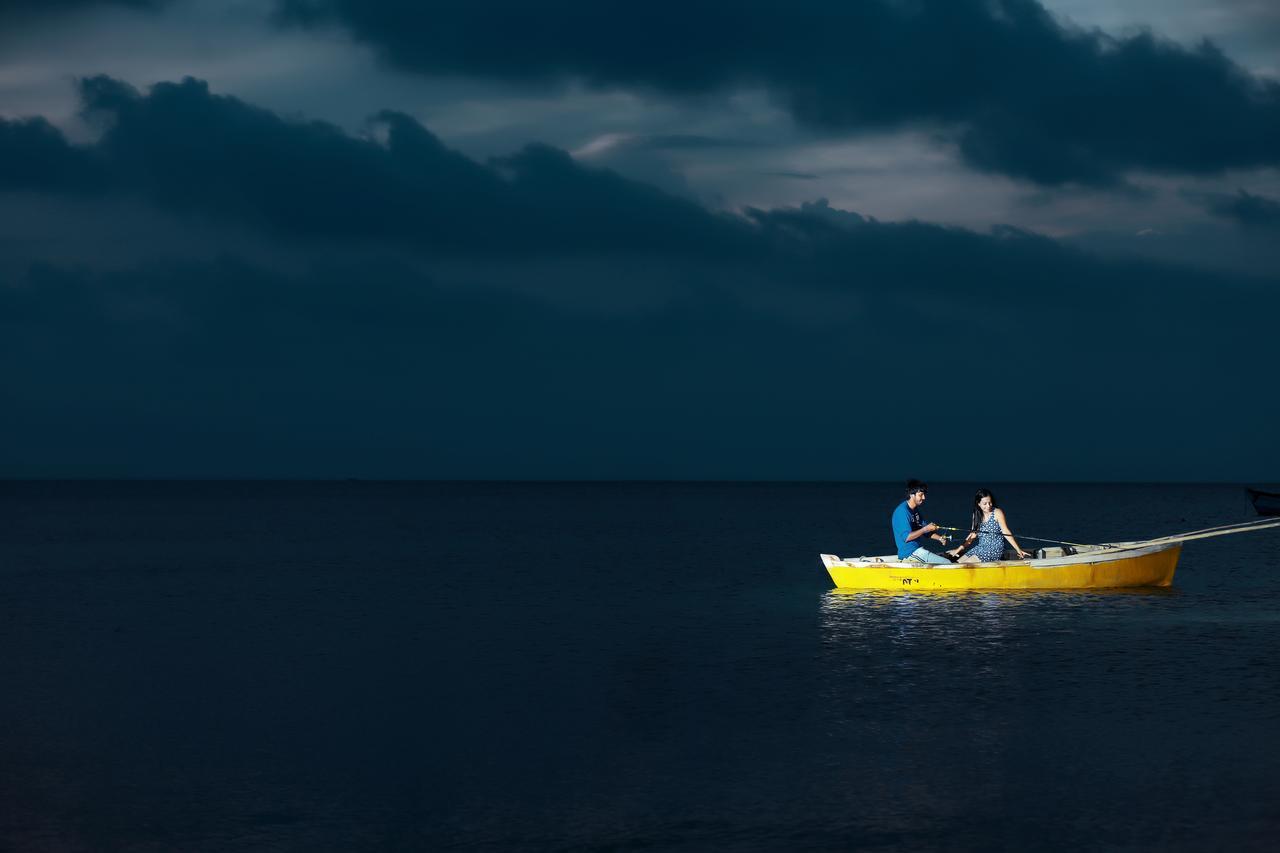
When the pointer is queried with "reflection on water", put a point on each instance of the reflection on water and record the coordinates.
(984, 628)
(901, 655)
(942, 707)
(918, 620)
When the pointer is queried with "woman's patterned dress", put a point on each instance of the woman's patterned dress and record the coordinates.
(990, 544)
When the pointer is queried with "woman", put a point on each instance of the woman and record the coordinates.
(990, 530)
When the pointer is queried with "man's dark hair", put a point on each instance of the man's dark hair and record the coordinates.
(914, 486)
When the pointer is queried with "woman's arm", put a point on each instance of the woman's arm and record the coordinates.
(1004, 528)
(963, 546)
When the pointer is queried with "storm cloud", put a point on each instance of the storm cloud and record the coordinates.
(193, 152)
(1243, 208)
(505, 336)
(1019, 92)
(215, 158)
(185, 150)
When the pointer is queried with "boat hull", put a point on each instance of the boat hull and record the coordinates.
(1152, 566)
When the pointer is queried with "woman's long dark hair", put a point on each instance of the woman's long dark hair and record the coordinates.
(977, 510)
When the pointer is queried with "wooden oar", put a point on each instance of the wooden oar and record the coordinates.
(1243, 525)
(1207, 533)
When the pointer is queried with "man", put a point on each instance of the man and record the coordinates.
(909, 532)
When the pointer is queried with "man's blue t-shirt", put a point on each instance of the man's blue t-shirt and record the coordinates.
(905, 521)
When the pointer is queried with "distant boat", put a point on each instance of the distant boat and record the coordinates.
(1265, 503)
(1149, 562)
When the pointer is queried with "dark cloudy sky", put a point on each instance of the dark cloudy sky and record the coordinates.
(952, 239)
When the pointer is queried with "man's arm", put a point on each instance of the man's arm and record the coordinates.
(923, 531)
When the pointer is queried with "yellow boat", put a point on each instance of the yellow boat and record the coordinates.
(1149, 562)
(1093, 567)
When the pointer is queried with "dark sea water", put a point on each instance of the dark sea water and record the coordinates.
(407, 666)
